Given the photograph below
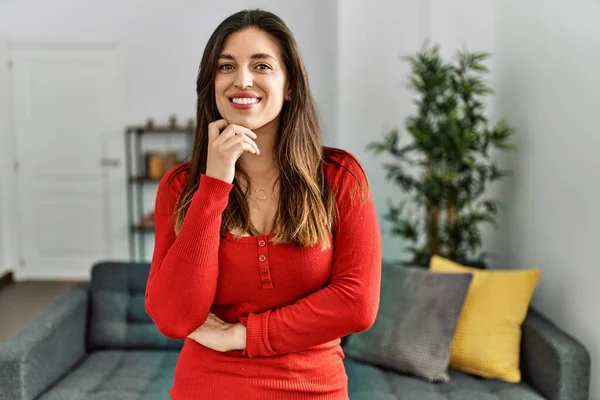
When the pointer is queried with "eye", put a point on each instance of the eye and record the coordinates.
(264, 67)
(225, 67)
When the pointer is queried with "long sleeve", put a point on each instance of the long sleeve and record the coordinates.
(184, 269)
(348, 304)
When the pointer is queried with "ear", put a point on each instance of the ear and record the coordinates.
(288, 94)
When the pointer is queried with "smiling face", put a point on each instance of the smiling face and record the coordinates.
(250, 82)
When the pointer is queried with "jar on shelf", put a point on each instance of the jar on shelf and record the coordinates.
(154, 165)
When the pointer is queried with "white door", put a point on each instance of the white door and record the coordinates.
(69, 141)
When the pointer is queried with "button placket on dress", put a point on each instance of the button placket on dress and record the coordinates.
(263, 263)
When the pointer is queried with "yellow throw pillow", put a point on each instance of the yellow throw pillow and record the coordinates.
(487, 339)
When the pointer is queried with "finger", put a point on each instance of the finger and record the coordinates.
(215, 128)
(244, 130)
(215, 317)
(234, 129)
(239, 139)
(244, 146)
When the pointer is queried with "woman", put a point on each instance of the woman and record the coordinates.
(267, 247)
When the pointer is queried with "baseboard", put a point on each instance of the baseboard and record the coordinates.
(6, 279)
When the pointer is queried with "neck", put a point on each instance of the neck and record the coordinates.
(262, 166)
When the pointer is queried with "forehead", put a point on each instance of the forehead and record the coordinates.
(245, 43)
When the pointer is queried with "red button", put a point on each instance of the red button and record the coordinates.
(262, 243)
(262, 257)
(264, 272)
(266, 282)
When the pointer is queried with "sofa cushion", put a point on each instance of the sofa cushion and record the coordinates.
(415, 323)
(367, 382)
(118, 375)
(487, 340)
(118, 317)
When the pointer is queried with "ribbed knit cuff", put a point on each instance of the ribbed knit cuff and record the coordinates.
(214, 184)
(257, 335)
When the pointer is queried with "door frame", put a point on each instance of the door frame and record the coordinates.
(12, 231)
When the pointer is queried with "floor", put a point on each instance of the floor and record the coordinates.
(21, 301)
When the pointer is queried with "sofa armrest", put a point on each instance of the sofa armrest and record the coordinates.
(553, 362)
(45, 348)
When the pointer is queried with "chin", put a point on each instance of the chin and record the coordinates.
(247, 122)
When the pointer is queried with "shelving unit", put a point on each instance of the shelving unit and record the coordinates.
(141, 224)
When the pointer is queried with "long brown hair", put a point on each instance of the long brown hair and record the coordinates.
(306, 209)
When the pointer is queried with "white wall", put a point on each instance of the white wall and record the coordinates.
(373, 36)
(161, 44)
(547, 63)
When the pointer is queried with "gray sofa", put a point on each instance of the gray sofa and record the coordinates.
(97, 343)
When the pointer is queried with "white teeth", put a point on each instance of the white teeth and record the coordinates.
(245, 100)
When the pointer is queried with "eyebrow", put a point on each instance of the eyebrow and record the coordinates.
(256, 56)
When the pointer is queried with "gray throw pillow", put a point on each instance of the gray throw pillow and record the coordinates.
(415, 323)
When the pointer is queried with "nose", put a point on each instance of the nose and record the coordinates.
(243, 78)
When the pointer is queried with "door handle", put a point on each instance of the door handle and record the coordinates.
(110, 162)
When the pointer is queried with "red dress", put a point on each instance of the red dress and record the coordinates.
(296, 303)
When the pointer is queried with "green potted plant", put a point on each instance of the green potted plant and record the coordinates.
(446, 166)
